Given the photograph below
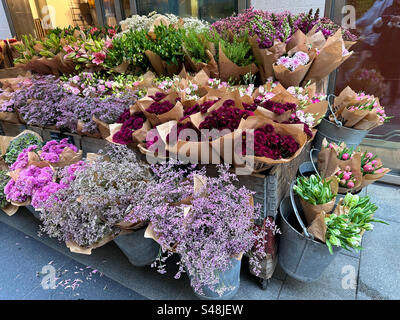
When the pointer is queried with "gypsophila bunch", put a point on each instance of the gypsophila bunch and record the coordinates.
(98, 198)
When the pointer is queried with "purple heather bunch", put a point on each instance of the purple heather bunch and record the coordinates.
(52, 150)
(225, 117)
(130, 123)
(218, 224)
(270, 144)
(98, 198)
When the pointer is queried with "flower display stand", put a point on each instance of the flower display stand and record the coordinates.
(270, 187)
(92, 145)
(11, 129)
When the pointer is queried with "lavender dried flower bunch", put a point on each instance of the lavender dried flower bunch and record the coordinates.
(45, 103)
(218, 227)
(99, 198)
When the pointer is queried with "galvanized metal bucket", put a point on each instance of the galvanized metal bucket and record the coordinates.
(139, 250)
(300, 256)
(336, 132)
(229, 278)
(306, 169)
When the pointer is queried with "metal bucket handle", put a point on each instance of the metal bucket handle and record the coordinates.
(308, 235)
(338, 123)
(312, 161)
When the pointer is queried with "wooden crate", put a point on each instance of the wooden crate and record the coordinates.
(272, 186)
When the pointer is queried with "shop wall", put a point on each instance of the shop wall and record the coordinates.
(5, 31)
(63, 16)
(294, 6)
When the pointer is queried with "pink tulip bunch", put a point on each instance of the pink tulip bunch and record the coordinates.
(370, 164)
(347, 179)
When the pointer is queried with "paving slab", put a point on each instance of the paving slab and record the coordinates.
(146, 281)
(333, 284)
(23, 259)
(379, 276)
(387, 198)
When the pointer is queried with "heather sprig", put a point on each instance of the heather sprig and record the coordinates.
(97, 199)
(217, 227)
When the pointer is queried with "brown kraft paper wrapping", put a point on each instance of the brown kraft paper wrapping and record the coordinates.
(10, 209)
(312, 211)
(329, 58)
(176, 113)
(267, 57)
(228, 69)
(254, 122)
(293, 78)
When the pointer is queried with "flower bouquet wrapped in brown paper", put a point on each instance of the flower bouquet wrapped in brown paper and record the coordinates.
(229, 70)
(372, 169)
(330, 54)
(260, 143)
(131, 128)
(359, 111)
(265, 58)
(8, 112)
(197, 54)
(291, 68)
(342, 162)
(161, 108)
(345, 227)
(166, 57)
(316, 195)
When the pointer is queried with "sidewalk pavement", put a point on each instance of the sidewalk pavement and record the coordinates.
(107, 274)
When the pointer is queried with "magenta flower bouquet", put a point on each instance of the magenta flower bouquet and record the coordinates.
(161, 108)
(346, 178)
(132, 129)
(60, 154)
(225, 117)
(263, 142)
